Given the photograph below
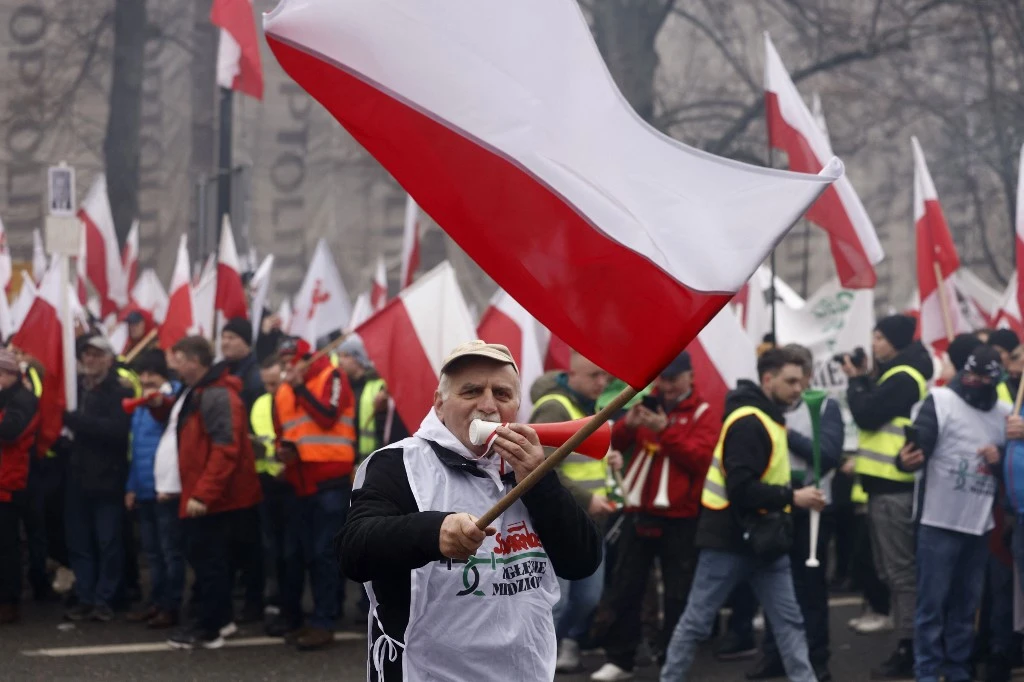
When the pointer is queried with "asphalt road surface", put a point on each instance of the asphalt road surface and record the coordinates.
(41, 647)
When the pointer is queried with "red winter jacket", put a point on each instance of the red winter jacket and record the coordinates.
(19, 418)
(683, 450)
(215, 455)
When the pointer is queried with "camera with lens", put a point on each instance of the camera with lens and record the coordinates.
(858, 357)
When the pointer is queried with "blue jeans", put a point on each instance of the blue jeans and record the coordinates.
(950, 575)
(160, 531)
(313, 521)
(718, 572)
(94, 529)
(577, 600)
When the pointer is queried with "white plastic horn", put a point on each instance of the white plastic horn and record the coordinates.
(480, 432)
(812, 560)
(661, 499)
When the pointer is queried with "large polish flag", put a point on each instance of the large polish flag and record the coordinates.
(57, 357)
(412, 336)
(721, 355)
(379, 288)
(229, 299)
(508, 323)
(792, 128)
(130, 256)
(103, 264)
(238, 52)
(503, 123)
(410, 243)
(937, 260)
(38, 257)
(180, 318)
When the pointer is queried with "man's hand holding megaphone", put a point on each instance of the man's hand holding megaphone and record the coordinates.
(519, 446)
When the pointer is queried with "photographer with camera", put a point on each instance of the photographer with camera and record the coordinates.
(880, 402)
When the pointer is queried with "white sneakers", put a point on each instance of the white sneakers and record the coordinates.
(870, 622)
(568, 656)
(610, 672)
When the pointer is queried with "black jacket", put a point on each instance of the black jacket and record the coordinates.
(248, 370)
(386, 536)
(99, 451)
(745, 456)
(873, 406)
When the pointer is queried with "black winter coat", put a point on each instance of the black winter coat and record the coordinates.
(98, 462)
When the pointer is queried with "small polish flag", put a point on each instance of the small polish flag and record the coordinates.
(103, 264)
(230, 294)
(238, 52)
(130, 255)
(180, 317)
(379, 290)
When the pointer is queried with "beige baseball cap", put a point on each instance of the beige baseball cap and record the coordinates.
(478, 348)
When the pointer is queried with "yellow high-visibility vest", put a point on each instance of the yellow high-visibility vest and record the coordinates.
(368, 419)
(262, 420)
(877, 450)
(1003, 391)
(130, 379)
(777, 472)
(590, 474)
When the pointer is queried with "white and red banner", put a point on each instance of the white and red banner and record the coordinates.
(379, 287)
(238, 52)
(410, 243)
(130, 256)
(103, 264)
(180, 318)
(149, 295)
(502, 122)
(792, 128)
(722, 355)
(937, 260)
(506, 322)
(322, 304)
(412, 336)
(38, 257)
(229, 300)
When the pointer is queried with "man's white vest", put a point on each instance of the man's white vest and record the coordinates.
(485, 619)
(959, 489)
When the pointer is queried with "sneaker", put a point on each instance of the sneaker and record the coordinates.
(101, 613)
(610, 672)
(314, 638)
(758, 623)
(899, 666)
(732, 647)
(229, 630)
(767, 669)
(195, 638)
(78, 612)
(871, 623)
(568, 656)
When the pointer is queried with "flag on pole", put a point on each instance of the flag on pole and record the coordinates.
(180, 318)
(410, 242)
(937, 260)
(508, 323)
(238, 52)
(130, 256)
(103, 264)
(379, 290)
(322, 304)
(514, 138)
(721, 355)
(792, 128)
(229, 300)
(979, 303)
(43, 321)
(411, 337)
(260, 285)
(38, 257)
(149, 295)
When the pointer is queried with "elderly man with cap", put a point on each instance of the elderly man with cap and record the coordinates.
(18, 419)
(880, 402)
(672, 434)
(961, 429)
(450, 600)
(97, 471)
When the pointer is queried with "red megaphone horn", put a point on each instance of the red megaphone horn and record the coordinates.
(552, 435)
(129, 405)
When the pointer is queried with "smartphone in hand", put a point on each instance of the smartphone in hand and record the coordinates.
(911, 434)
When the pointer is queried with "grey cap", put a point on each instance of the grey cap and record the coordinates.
(354, 347)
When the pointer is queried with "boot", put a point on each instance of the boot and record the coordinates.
(899, 666)
(315, 638)
(568, 657)
(9, 613)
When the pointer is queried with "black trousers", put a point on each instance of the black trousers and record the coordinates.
(643, 539)
(10, 553)
(811, 587)
(206, 547)
(247, 554)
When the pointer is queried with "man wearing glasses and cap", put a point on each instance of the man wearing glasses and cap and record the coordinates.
(447, 598)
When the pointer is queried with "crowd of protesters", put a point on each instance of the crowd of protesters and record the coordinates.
(228, 470)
